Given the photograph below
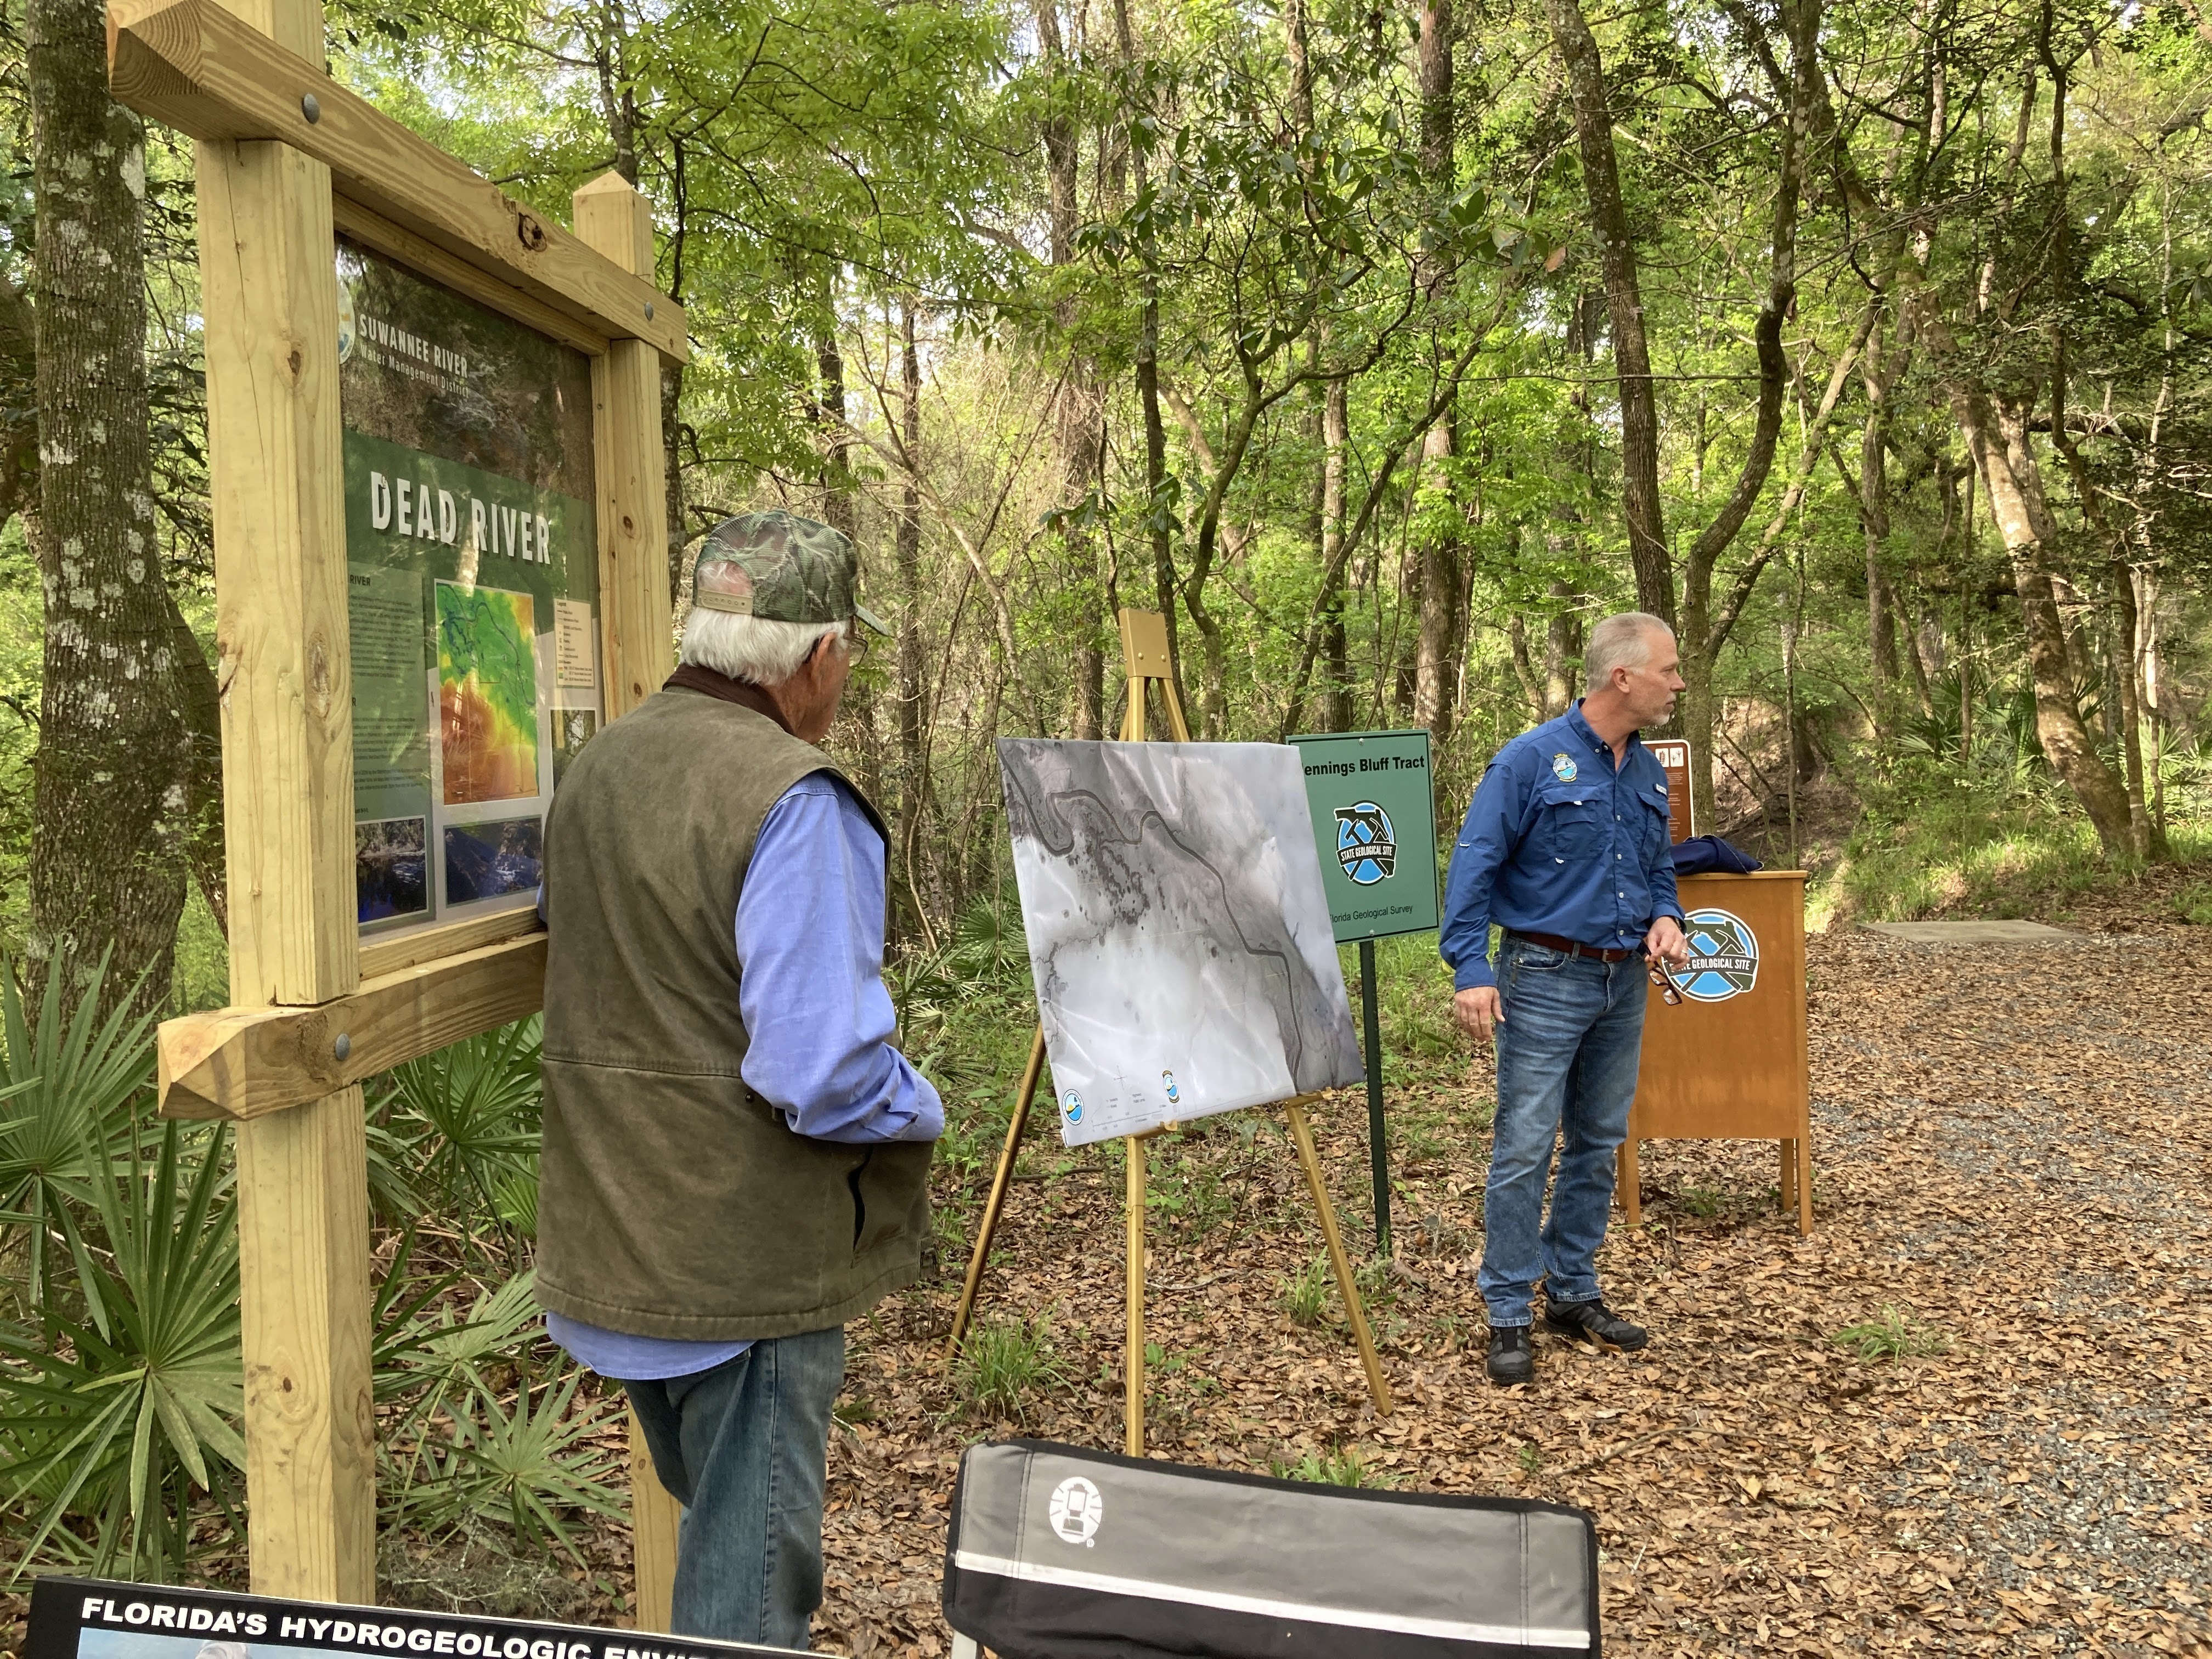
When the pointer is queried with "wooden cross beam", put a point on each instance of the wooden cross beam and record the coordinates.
(195, 66)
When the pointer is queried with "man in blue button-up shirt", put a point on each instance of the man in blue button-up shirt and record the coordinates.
(1566, 849)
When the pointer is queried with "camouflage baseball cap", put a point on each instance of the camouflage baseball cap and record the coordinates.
(781, 567)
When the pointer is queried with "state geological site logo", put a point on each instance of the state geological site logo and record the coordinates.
(1366, 845)
(1723, 957)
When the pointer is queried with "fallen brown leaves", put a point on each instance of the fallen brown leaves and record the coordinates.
(2011, 1148)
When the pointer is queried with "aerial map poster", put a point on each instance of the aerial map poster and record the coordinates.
(472, 576)
(1178, 931)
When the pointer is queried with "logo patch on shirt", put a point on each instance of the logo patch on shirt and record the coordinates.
(1564, 768)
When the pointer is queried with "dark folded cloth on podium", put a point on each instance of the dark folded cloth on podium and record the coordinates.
(1704, 855)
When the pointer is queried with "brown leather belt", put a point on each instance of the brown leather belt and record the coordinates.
(1553, 942)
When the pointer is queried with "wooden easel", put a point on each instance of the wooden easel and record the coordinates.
(1145, 653)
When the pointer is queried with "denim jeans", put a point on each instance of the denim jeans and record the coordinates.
(744, 1447)
(1567, 1071)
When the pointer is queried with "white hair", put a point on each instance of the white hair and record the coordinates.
(751, 648)
(1621, 641)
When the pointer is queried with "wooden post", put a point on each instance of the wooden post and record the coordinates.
(637, 654)
(268, 293)
(631, 463)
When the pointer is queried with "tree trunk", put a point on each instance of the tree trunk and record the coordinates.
(1079, 406)
(111, 816)
(1563, 649)
(1997, 434)
(671, 385)
(911, 804)
(1335, 433)
(1701, 633)
(1147, 374)
(1631, 351)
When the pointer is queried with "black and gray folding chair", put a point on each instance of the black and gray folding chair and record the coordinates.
(1057, 1553)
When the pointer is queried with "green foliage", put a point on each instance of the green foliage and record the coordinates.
(2193, 904)
(462, 1128)
(118, 1409)
(1337, 1467)
(67, 1091)
(1934, 840)
(1004, 1362)
(1306, 1294)
(1894, 1335)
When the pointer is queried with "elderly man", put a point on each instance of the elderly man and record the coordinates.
(1566, 849)
(736, 1157)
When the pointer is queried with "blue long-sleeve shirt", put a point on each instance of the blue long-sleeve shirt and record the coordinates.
(1559, 841)
(817, 1019)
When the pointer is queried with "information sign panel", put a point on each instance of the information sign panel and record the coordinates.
(1373, 801)
(101, 1619)
(1673, 754)
(472, 579)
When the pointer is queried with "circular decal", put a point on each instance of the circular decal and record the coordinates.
(1723, 957)
(1074, 1510)
(1367, 845)
(1564, 769)
(1072, 1103)
(1168, 1083)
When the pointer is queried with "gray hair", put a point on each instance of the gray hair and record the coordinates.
(1621, 641)
(753, 648)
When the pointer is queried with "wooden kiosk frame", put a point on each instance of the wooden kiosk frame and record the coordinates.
(286, 159)
(1145, 653)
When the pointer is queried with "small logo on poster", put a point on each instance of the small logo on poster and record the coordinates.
(1072, 1105)
(349, 329)
(1367, 845)
(1723, 957)
(1074, 1510)
(1168, 1083)
(1564, 769)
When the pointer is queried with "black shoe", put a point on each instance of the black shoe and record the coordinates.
(1511, 1359)
(1593, 1321)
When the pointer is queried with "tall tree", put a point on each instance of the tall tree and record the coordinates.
(112, 808)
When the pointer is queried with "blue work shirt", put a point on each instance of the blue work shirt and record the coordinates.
(818, 1022)
(1558, 841)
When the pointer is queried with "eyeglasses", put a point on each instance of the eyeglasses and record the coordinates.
(856, 644)
(1669, 993)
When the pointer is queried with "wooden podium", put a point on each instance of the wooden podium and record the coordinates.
(1728, 1062)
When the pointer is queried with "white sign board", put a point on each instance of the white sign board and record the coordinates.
(1178, 931)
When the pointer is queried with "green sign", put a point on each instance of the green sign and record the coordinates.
(472, 589)
(1374, 818)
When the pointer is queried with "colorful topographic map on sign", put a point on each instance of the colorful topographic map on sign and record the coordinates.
(487, 693)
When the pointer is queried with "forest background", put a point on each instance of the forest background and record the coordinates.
(1383, 348)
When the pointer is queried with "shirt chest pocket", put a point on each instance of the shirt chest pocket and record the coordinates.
(1655, 830)
(1570, 822)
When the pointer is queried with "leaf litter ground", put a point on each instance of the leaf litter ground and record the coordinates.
(2011, 1148)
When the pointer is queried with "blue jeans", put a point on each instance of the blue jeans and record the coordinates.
(1566, 1071)
(744, 1447)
